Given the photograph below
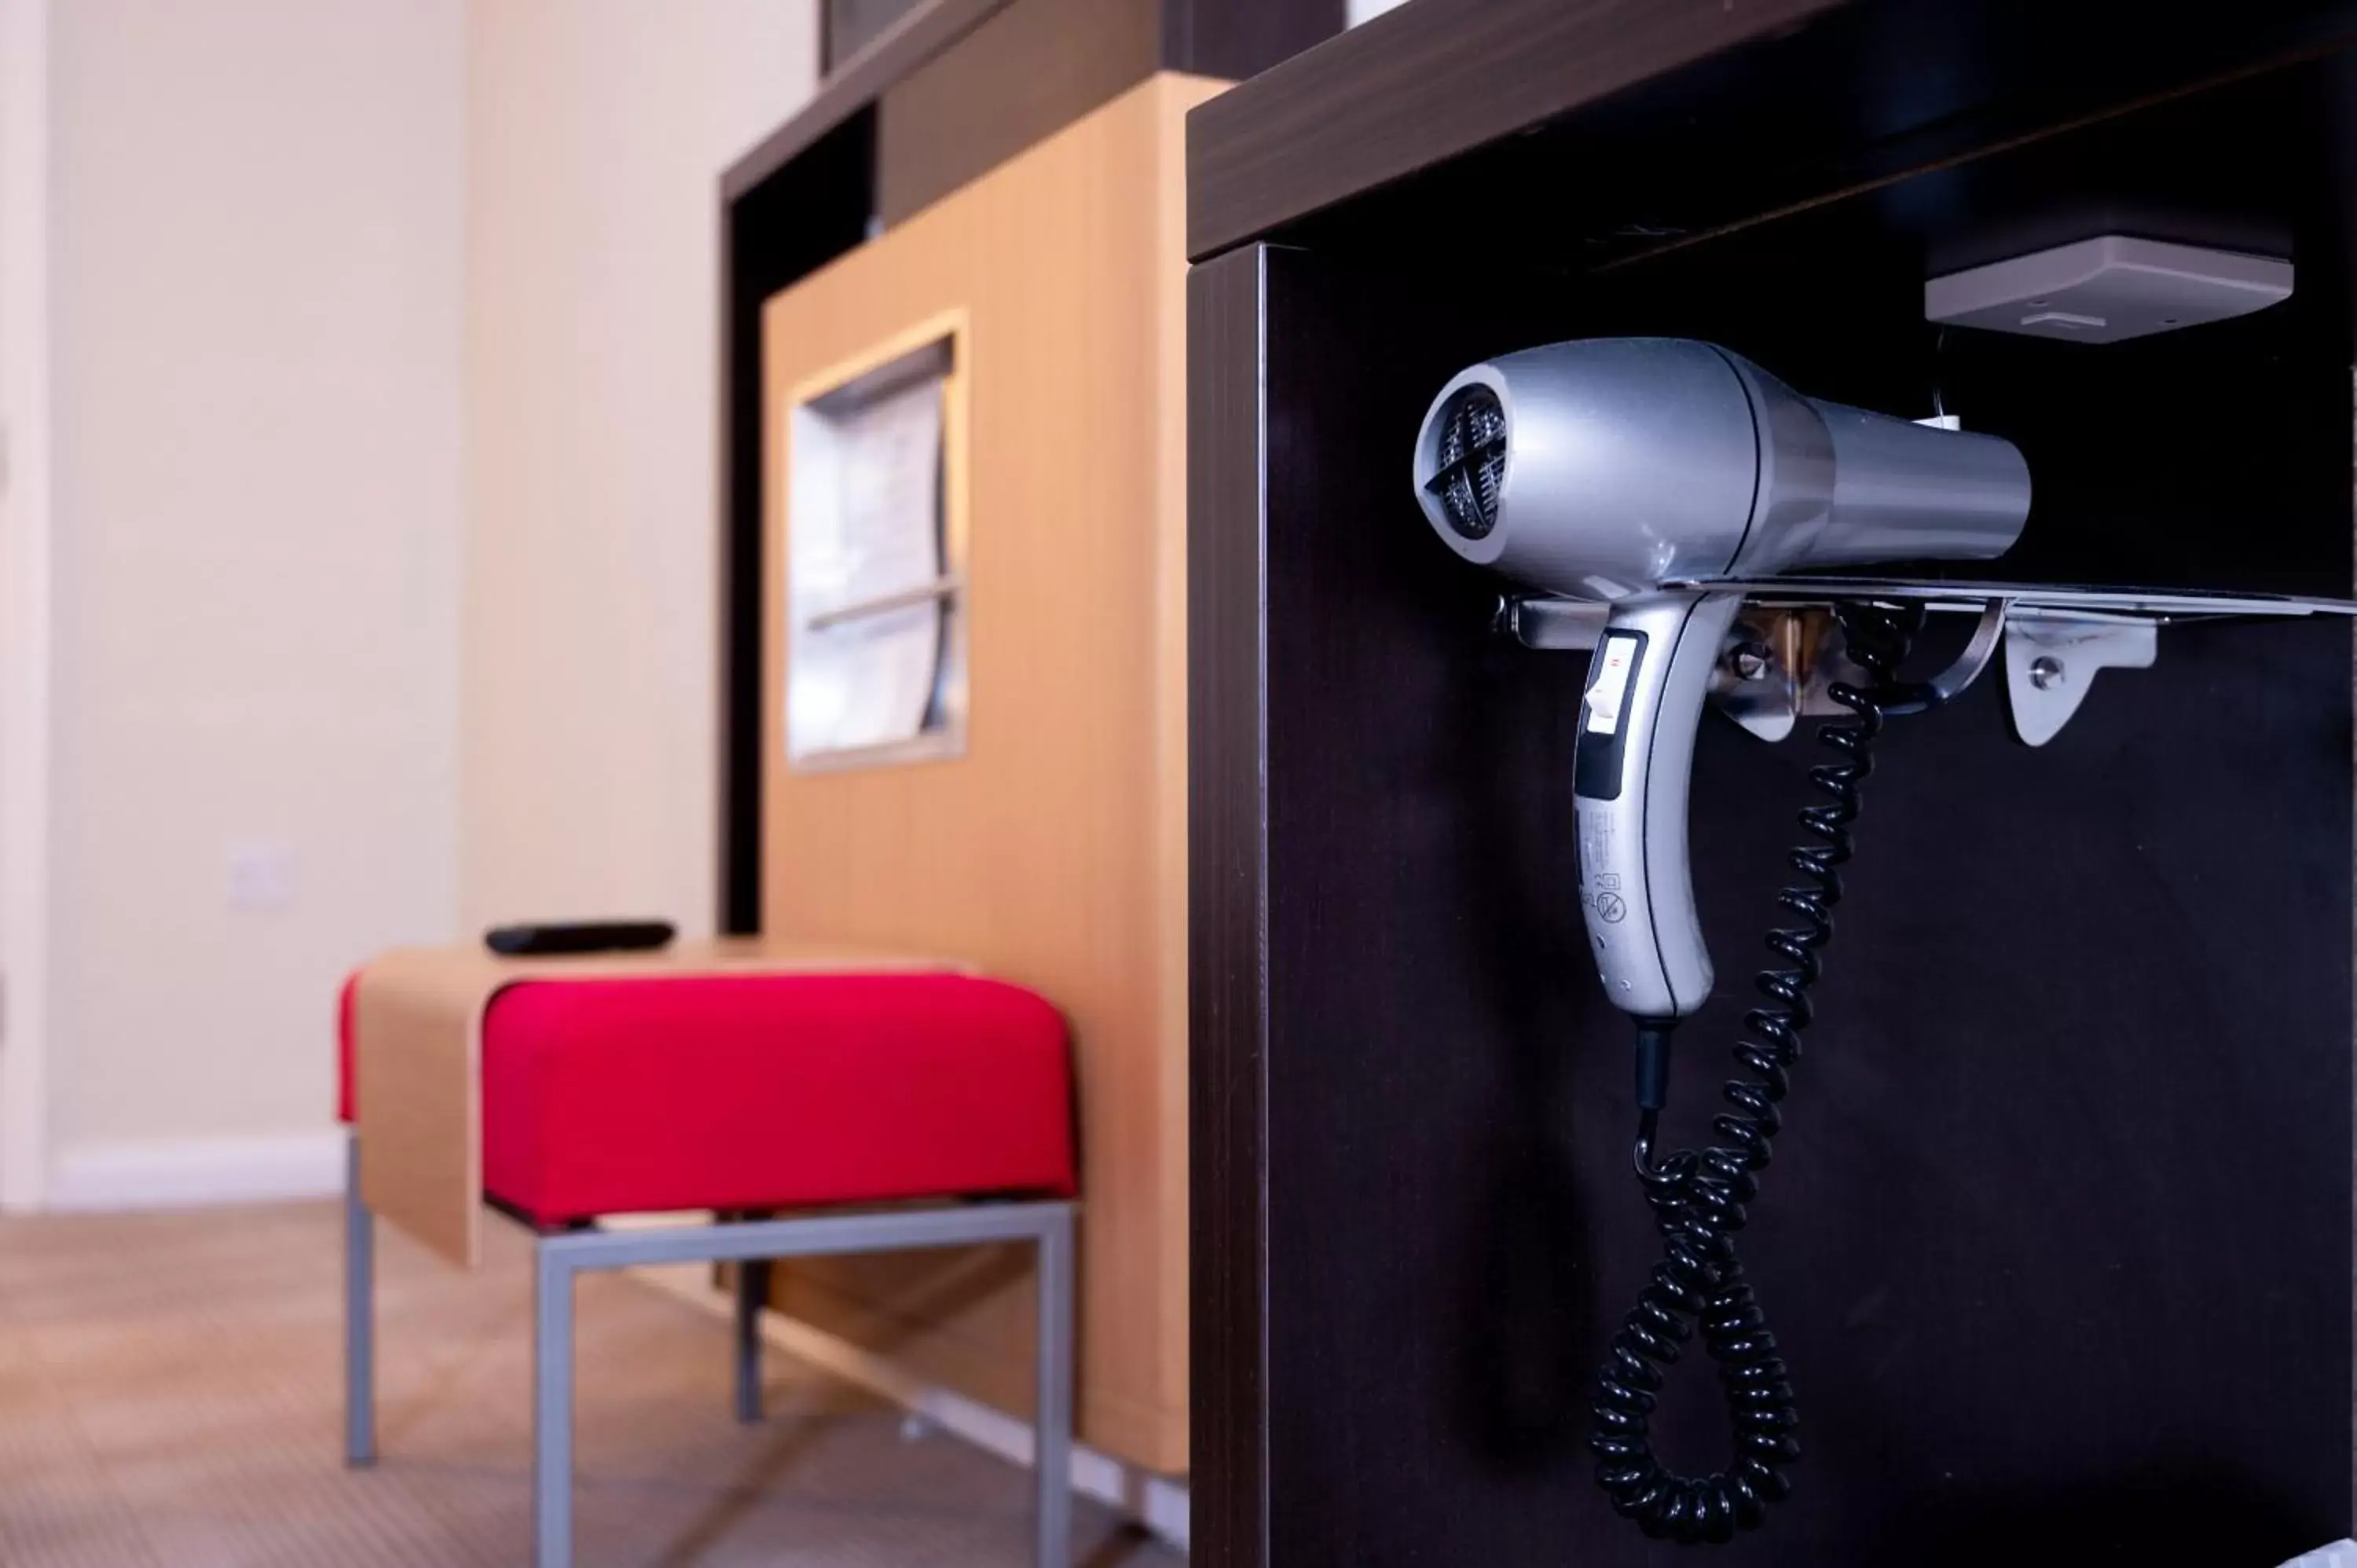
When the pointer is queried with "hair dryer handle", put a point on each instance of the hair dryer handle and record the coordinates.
(1632, 763)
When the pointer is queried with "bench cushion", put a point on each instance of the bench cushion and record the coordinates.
(766, 1091)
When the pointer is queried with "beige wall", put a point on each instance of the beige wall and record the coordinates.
(256, 274)
(383, 336)
(597, 130)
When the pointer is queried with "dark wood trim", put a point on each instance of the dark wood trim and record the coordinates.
(832, 56)
(1227, 908)
(729, 796)
(1023, 73)
(1559, 129)
(802, 216)
(1430, 80)
(1233, 39)
(923, 35)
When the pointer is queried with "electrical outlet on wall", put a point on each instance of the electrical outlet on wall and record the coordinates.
(261, 878)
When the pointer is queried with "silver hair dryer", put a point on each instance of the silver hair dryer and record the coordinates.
(1604, 470)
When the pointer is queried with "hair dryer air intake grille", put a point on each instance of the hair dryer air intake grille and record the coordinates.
(1471, 463)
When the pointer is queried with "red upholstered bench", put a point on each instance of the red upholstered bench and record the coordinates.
(757, 1094)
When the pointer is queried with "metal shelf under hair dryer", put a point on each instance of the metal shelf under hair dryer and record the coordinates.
(1785, 650)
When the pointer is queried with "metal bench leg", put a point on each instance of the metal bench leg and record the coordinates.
(752, 1294)
(360, 1317)
(1054, 1418)
(552, 1415)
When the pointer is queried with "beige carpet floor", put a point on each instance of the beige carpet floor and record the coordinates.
(170, 1396)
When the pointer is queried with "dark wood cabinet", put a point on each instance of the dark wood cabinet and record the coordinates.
(2059, 1238)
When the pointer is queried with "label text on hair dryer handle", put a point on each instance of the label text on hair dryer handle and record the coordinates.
(1600, 892)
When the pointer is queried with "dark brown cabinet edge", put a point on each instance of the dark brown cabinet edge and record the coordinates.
(1227, 908)
(1390, 98)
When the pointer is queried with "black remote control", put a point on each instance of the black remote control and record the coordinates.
(579, 937)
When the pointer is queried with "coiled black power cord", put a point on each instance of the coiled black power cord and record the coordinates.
(1699, 1199)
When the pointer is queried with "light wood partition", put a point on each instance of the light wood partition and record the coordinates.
(1053, 851)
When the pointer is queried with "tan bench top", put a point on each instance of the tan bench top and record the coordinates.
(417, 1021)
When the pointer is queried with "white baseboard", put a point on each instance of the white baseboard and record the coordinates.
(197, 1174)
(1157, 1502)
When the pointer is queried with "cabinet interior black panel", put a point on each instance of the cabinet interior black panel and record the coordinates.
(2058, 1241)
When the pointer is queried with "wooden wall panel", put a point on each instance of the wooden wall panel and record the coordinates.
(1053, 852)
